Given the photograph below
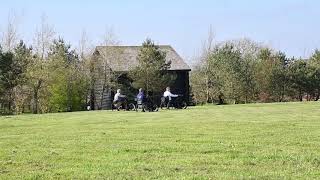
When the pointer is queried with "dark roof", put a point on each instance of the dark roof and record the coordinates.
(124, 58)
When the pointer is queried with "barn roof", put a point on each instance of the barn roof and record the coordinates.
(124, 58)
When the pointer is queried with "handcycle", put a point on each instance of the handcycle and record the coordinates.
(123, 105)
(175, 102)
(146, 104)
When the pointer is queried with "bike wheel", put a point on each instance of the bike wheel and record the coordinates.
(132, 107)
(184, 105)
(163, 103)
(140, 108)
(156, 108)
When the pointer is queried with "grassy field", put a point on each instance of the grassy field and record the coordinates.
(259, 141)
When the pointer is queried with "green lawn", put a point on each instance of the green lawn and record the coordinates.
(259, 141)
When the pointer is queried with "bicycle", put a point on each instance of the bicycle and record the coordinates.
(175, 102)
(146, 104)
(123, 105)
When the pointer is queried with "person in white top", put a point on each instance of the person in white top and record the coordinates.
(168, 94)
(119, 100)
(118, 96)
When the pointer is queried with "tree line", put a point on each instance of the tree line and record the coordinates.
(30, 82)
(51, 76)
(46, 75)
(243, 71)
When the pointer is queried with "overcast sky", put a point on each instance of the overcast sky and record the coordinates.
(292, 26)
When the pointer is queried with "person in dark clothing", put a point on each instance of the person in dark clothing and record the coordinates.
(140, 95)
(140, 99)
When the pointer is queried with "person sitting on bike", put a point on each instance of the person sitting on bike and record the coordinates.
(168, 96)
(140, 95)
(119, 100)
(140, 99)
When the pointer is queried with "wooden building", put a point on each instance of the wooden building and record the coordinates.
(121, 59)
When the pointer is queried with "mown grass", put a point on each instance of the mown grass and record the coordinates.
(259, 141)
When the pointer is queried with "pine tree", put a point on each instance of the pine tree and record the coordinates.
(151, 72)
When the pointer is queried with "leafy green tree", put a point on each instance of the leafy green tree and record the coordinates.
(298, 74)
(38, 75)
(314, 63)
(266, 63)
(23, 57)
(151, 72)
(67, 89)
(38, 69)
(8, 80)
(247, 79)
(224, 69)
(249, 51)
(230, 69)
(279, 84)
(207, 77)
(9, 75)
(315, 58)
(200, 93)
(12, 73)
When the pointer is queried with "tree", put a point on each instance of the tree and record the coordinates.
(207, 48)
(249, 51)
(203, 71)
(279, 83)
(228, 72)
(199, 85)
(10, 35)
(315, 65)
(102, 78)
(38, 73)
(12, 73)
(8, 80)
(66, 87)
(230, 76)
(22, 56)
(151, 72)
(298, 74)
(85, 52)
(315, 58)
(263, 74)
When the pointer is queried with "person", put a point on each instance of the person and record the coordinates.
(168, 96)
(89, 105)
(119, 99)
(140, 95)
(140, 99)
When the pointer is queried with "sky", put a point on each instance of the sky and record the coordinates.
(291, 26)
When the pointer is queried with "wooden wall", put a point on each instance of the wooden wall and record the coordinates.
(104, 95)
(181, 84)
